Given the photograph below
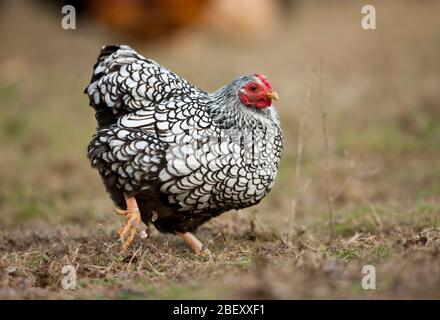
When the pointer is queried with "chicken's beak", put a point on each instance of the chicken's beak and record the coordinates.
(273, 95)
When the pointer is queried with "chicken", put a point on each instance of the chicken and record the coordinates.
(173, 155)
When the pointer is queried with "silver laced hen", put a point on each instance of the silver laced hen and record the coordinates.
(176, 156)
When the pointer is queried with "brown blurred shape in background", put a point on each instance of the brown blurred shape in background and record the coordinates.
(150, 20)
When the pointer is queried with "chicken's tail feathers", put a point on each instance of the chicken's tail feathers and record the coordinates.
(99, 67)
(112, 57)
(109, 49)
(124, 81)
(110, 60)
(101, 63)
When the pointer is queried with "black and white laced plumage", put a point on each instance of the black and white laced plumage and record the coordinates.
(183, 154)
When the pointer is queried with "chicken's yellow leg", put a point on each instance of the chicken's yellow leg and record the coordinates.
(128, 231)
(194, 243)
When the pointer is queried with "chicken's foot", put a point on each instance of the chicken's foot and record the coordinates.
(128, 231)
(194, 243)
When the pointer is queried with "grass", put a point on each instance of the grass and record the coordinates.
(390, 138)
(245, 262)
(382, 107)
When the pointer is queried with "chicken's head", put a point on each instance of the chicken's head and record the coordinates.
(257, 92)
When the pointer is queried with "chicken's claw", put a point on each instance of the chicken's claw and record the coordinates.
(128, 231)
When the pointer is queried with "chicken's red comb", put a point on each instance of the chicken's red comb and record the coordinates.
(264, 80)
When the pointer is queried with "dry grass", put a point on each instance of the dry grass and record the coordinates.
(381, 101)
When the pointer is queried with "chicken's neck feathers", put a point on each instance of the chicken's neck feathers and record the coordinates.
(228, 111)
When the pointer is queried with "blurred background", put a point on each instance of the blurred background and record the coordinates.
(380, 90)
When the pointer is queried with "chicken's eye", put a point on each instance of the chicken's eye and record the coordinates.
(253, 88)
